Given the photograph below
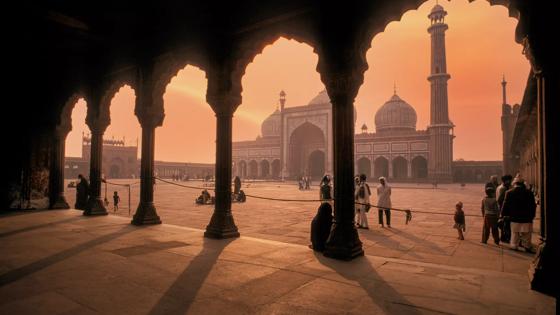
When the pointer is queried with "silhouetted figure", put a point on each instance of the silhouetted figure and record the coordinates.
(236, 185)
(503, 222)
(459, 218)
(204, 198)
(82, 193)
(321, 224)
(362, 196)
(306, 180)
(493, 183)
(519, 206)
(116, 201)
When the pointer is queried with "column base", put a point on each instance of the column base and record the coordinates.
(343, 243)
(146, 214)
(221, 226)
(95, 206)
(60, 203)
(543, 272)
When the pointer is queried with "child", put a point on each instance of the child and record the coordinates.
(116, 200)
(459, 220)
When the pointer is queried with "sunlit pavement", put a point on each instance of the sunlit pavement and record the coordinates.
(427, 238)
(60, 262)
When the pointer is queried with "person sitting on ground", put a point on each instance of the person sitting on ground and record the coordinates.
(520, 207)
(204, 198)
(82, 193)
(490, 212)
(321, 223)
(459, 219)
(362, 196)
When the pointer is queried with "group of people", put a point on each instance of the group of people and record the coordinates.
(83, 194)
(363, 201)
(508, 210)
(304, 183)
(321, 223)
(178, 178)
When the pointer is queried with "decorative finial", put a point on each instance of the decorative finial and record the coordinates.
(394, 88)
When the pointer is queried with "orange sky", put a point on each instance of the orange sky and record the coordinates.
(480, 48)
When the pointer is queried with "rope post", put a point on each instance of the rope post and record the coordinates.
(129, 200)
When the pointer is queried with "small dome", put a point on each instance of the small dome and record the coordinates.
(437, 8)
(321, 98)
(270, 127)
(395, 115)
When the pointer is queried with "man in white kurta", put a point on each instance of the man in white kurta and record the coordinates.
(363, 194)
(384, 201)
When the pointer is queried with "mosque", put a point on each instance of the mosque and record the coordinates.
(297, 141)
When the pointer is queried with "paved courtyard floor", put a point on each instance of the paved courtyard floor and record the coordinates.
(427, 238)
(60, 262)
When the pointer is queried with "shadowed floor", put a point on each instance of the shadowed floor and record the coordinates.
(60, 262)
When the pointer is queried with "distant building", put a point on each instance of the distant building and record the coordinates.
(121, 161)
(520, 137)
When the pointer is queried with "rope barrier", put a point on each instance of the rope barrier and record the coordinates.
(408, 212)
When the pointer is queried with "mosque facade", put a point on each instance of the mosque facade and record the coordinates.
(297, 141)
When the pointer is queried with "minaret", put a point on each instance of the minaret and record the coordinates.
(440, 128)
(508, 120)
(283, 166)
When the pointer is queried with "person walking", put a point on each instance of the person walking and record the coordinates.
(490, 212)
(459, 218)
(362, 196)
(520, 207)
(384, 201)
(116, 201)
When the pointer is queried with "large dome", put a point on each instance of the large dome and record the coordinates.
(321, 98)
(395, 115)
(271, 125)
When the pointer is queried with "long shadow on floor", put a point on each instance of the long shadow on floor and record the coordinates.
(182, 293)
(16, 274)
(380, 292)
(39, 226)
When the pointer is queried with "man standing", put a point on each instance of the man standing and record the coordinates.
(362, 197)
(492, 183)
(384, 201)
(82, 193)
(519, 206)
(505, 236)
(236, 185)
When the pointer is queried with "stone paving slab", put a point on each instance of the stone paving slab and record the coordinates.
(60, 262)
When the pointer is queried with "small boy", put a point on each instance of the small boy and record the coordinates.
(459, 218)
(116, 200)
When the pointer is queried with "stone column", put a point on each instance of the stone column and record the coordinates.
(544, 269)
(342, 85)
(95, 204)
(56, 174)
(146, 212)
(224, 104)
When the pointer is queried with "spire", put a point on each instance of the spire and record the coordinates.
(394, 88)
(282, 100)
(504, 83)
